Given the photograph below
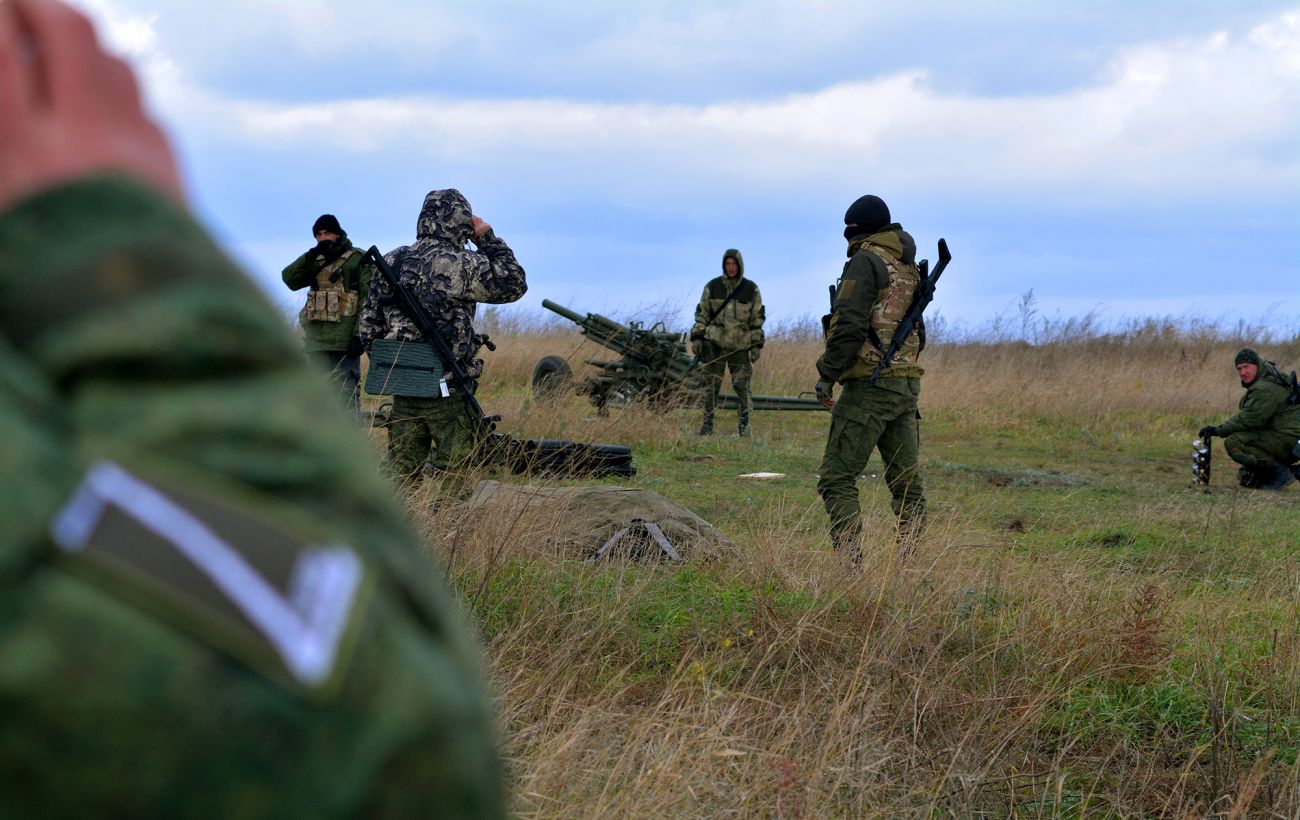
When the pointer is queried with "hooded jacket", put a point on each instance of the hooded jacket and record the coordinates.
(730, 324)
(875, 290)
(448, 279)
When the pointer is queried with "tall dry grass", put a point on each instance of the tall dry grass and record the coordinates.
(1072, 367)
(931, 687)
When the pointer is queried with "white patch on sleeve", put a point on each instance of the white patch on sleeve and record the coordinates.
(304, 627)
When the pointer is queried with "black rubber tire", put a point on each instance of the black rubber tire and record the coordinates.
(552, 378)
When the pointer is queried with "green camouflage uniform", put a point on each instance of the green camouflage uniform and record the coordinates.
(725, 331)
(1266, 427)
(146, 383)
(449, 281)
(874, 293)
(338, 283)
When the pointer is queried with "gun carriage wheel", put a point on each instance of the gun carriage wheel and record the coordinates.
(552, 378)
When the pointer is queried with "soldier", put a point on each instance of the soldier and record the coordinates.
(874, 294)
(339, 283)
(449, 281)
(1264, 436)
(728, 333)
(210, 608)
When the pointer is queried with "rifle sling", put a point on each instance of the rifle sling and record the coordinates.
(724, 304)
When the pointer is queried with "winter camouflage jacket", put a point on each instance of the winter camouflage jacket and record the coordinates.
(139, 675)
(735, 324)
(339, 283)
(448, 279)
(874, 293)
(1264, 406)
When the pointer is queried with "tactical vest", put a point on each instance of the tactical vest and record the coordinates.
(890, 308)
(330, 299)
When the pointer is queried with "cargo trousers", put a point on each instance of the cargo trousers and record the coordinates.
(1259, 449)
(420, 426)
(715, 365)
(344, 372)
(867, 417)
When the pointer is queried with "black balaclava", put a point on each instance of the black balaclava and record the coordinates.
(867, 215)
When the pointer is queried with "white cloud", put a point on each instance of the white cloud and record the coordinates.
(1175, 117)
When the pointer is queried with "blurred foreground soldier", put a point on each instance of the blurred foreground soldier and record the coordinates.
(450, 281)
(728, 333)
(338, 285)
(874, 294)
(1264, 435)
(210, 608)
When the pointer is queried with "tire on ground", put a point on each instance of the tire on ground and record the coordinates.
(552, 378)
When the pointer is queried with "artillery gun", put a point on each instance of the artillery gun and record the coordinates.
(654, 366)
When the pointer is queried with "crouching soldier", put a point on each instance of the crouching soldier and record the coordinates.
(1263, 436)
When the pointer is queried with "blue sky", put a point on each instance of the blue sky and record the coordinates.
(1134, 159)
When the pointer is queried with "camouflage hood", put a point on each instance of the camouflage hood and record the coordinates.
(893, 239)
(732, 253)
(446, 217)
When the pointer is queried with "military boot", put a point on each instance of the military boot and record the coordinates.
(743, 427)
(1279, 477)
(706, 429)
(1250, 478)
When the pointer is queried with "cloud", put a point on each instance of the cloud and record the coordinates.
(1165, 120)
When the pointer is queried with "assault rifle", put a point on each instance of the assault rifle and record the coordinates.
(553, 457)
(920, 300)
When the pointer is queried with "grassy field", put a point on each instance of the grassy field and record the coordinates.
(1078, 634)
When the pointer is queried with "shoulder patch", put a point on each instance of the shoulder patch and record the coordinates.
(208, 565)
(717, 290)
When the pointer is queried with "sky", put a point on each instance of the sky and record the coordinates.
(1127, 159)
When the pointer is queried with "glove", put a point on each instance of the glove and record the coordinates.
(1206, 432)
(697, 347)
(697, 336)
(322, 248)
(825, 393)
(754, 353)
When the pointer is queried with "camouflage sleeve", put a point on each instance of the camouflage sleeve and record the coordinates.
(701, 315)
(371, 322)
(299, 273)
(148, 341)
(1257, 408)
(497, 277)
(851, 316)
(756, 318)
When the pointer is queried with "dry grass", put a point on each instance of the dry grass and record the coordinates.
(997, 672)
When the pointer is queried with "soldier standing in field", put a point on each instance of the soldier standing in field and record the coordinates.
(338, 283)
(728, 333)
(210, 607)
(1264, 436)
(874, 293)
(449, 280)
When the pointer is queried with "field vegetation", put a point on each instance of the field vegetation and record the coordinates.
(1077, 634)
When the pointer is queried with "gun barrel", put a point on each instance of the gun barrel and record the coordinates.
(572, 316)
